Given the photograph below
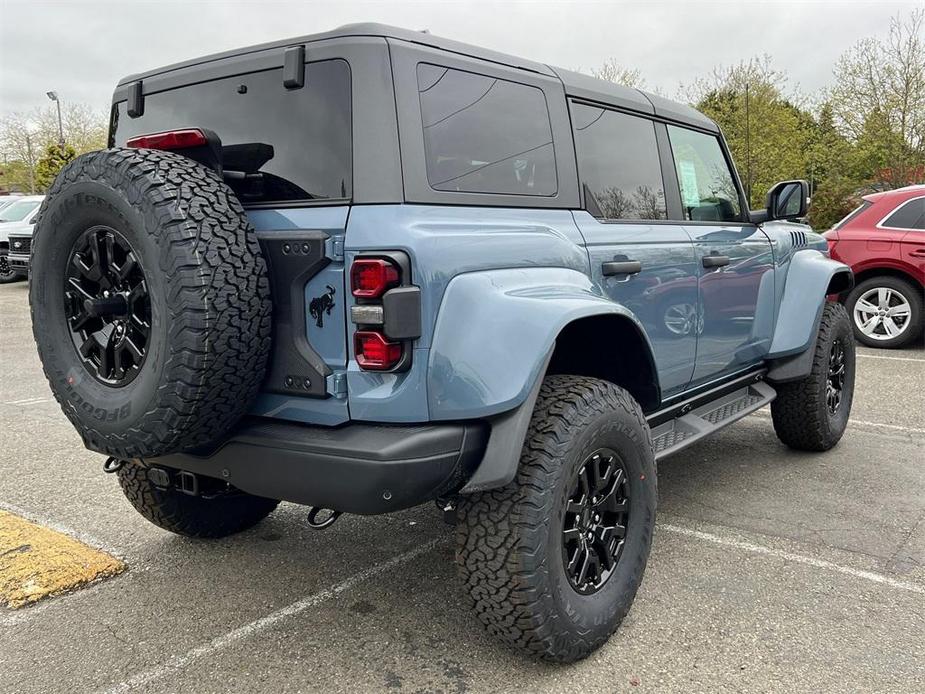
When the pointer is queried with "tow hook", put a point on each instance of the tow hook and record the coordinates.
(448, 508)
(112, 465)
(327, 517)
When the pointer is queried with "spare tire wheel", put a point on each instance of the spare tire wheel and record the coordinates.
(150, 302)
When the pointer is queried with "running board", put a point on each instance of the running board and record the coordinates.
(675, 434)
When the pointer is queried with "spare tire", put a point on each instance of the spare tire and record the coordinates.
(150, 302)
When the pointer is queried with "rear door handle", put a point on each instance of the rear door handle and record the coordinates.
(621, 267)
(714, 260)
(918, 253)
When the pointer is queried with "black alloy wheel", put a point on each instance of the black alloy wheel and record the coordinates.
(835, 382)
(6, 270)
(594, 525)
(106, 305)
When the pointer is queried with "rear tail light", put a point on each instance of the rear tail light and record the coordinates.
(172, 139)
(371, 277)
(375, 352)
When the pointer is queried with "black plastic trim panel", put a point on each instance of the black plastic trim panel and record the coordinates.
(358, 468)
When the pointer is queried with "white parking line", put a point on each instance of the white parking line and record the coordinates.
(27, 401)
(764, 414)
(897, 427)
(790, 556)
(880, 356)
(178, 662)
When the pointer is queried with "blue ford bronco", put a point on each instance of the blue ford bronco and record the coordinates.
(371, 268)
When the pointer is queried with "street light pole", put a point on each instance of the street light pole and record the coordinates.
(54, 97)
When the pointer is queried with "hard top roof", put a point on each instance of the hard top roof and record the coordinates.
(576, 84)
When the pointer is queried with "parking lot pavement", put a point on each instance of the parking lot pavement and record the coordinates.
(771, 570)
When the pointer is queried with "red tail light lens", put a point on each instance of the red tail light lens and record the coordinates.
(374, 352)
(173, 139)
(371, 277)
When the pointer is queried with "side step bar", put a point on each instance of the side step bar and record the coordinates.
(680, 432)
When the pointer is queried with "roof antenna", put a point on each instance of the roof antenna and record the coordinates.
(424, 31)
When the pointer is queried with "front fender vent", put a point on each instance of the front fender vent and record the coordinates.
(798, 238)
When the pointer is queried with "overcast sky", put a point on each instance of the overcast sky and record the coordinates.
(81, 49)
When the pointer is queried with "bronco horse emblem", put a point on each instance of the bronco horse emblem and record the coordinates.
(321, 305)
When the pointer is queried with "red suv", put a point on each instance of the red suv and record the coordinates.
(883, 241)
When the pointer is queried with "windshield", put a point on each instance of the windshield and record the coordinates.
(18, 210)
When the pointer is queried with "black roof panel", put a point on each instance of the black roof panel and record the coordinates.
(576, 84)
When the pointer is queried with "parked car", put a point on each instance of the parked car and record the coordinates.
(425, 278)
(883, 241)
(7, 200)
(17, 219)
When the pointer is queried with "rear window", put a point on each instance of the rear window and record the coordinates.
(278, 145)
(909, 215)
(485, 135)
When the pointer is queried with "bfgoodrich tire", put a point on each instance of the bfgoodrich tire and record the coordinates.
(583, 500)
(216, 512)
(811, 414)
(150, 302)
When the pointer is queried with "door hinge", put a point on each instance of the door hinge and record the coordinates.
(336, 384)
(334, 248)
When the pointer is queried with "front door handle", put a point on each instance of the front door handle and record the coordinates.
(714, 260)
(621, 267)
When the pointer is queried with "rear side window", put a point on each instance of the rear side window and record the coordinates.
(708, 190)
(618, 164)
(909, 215)
(854, 213)
(278, 145)
(485, 135)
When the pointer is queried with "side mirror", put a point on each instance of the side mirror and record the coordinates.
(788, 200)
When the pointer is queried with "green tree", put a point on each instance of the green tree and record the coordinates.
(25, 136)
(878, 101)
(53, 160)
(612, 71)
(768, 133)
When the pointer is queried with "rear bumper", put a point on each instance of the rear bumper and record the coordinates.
(357, 468)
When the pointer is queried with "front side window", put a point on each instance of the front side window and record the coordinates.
(708, 190)
(485, 135)
(618, 164)
(907, 216)
(278, 144)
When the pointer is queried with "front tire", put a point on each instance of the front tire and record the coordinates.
(886, 312)
(552, 561)
(218, 514)
(7, 273)
(811, 414)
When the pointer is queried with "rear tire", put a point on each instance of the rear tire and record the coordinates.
(898, 295)
(192, 516)
(805, 414)
(515, 545)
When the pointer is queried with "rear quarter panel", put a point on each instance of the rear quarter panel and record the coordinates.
(444, 243)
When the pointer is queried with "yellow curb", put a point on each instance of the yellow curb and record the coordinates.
(36, 562)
